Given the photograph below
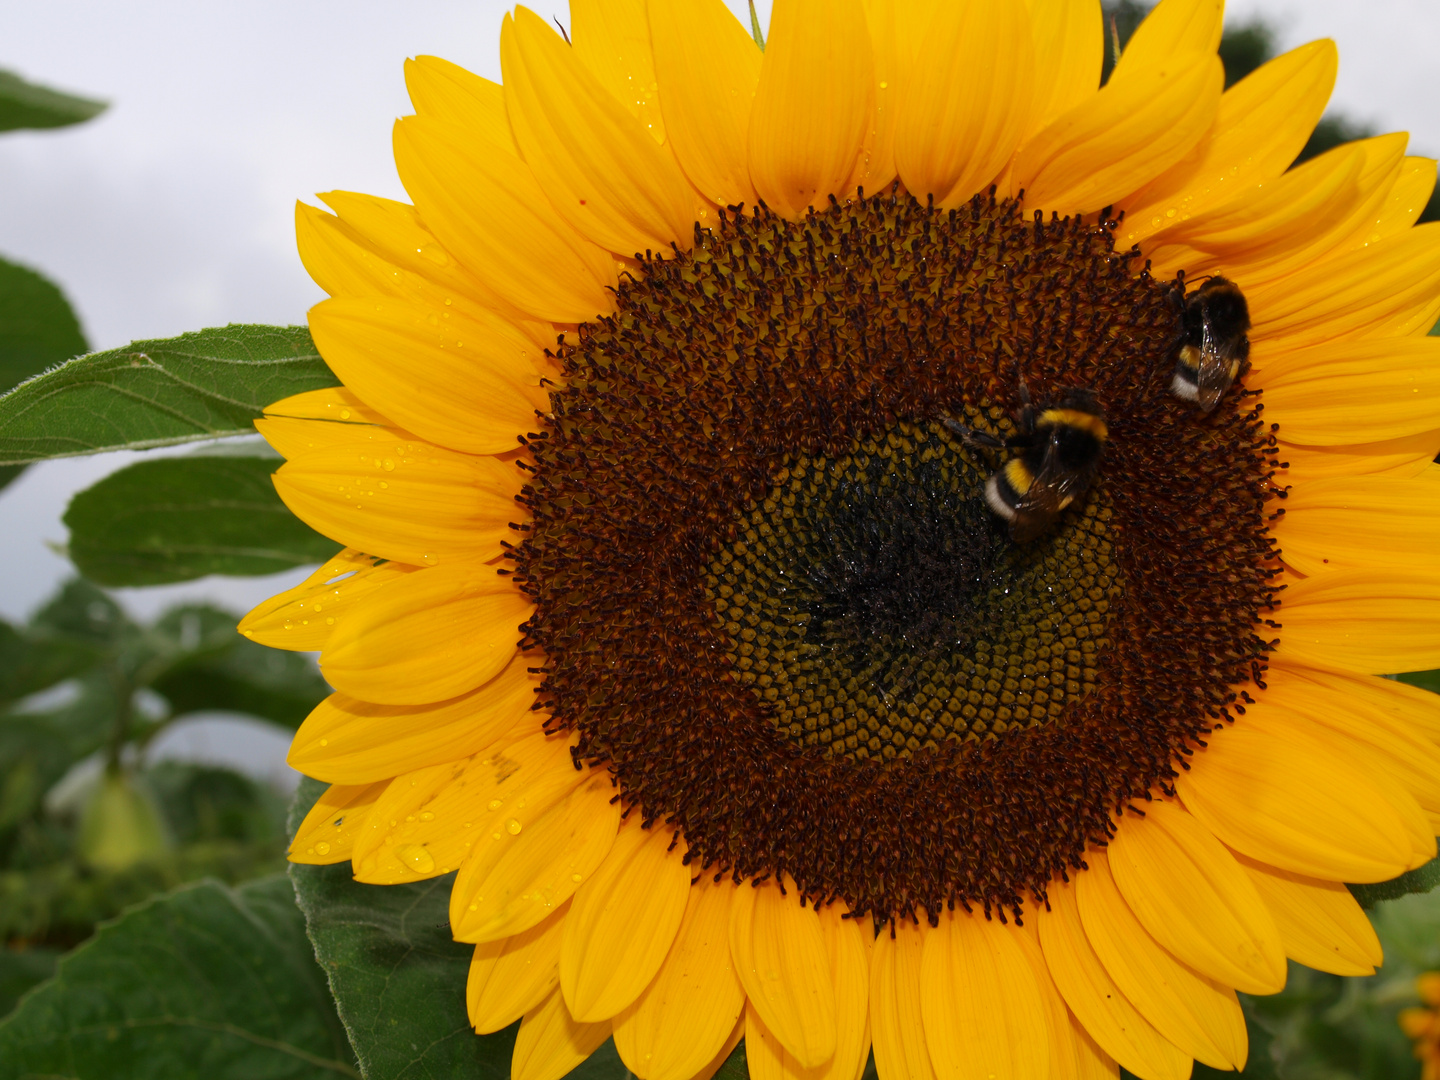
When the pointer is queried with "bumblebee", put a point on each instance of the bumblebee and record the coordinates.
(1058, 457)
(1213, 346)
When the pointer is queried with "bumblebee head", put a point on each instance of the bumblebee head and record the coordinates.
(1082, 399)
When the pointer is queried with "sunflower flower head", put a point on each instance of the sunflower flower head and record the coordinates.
(879, 544)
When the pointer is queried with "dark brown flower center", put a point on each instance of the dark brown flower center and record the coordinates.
(772, 597)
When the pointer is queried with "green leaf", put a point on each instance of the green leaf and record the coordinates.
(22, 969)
(28, 105)
(83, 613)
(37, 326)
(204, 385)
(206, 981)
(1420, 880)
(397, 977)
(176, 519)
(29, 664)
(282, 687)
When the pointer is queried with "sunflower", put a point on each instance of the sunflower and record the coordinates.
(1421, 1023)
(674, 620)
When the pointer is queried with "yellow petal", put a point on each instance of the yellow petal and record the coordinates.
(1407, 457)
(1319, 921)
(1263, 122)
(1173, 28)
(430, 820)
(399, 498)
(346, 740)
(875, 169)
(1405, 707)
(813, 105)
(551, 1042)
(625, 919)
(602, 169)
(982, 1009)
(507, 794)
(334, 403)
(1138, 125)
(1073, 1054)
(292, 437)
(1387, 289)
(1355, 524)
(1297, 713)
(895, 1002)
(848, 944)
(485, 205)
(1091, 993)
(1353, 391)
(1402, 207)
(1282, 211)
(327, 835)
(1069, 40)
(612, 39)
(345, 262)
(1187, 890)
(428, 637)
(444, 91)
(707, 67)
(1315, 228)
(966, 105)
(779, 952)
(1292, 803)
(463, 382)
(517, 875)
(509, 978)
(303, 618)
(1197, 1014)
(410, 833)
(394, 232)
(685, 1016)
(1363, 620)
(736, 1034)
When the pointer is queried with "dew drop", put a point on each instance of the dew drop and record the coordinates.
(389, 465)
(330, 620)
(344, 414)
(576, 878)
(416, 857)
(324, 742)
(494, 804)
(322, 848)
(427, 816)
(513, 826)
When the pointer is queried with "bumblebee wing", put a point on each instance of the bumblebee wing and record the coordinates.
(1051, 491)
(1220, 359)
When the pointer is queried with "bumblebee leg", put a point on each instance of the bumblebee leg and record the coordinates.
(1026, 415)
(970, 437)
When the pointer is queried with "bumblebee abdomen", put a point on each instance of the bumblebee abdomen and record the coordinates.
(1005, 488)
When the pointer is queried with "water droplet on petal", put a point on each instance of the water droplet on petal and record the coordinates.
(427, 816)
(513, 826)
(494, 804)
(416, 858)
(322, 848)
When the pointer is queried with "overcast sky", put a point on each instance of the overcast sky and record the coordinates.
(174, 209)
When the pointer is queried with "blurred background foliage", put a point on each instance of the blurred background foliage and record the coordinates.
(91, 826)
